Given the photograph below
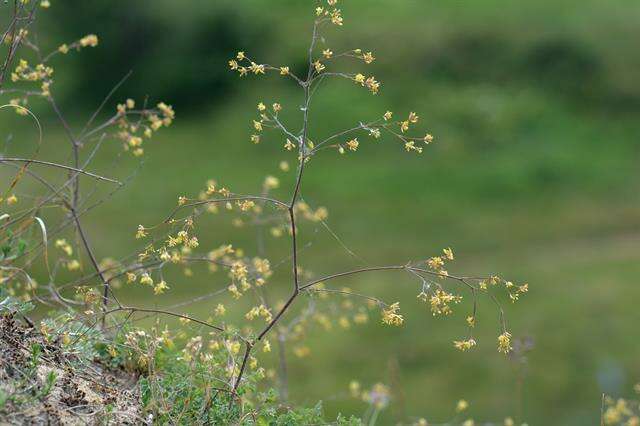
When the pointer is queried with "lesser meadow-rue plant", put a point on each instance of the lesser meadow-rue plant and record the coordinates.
(222, 357)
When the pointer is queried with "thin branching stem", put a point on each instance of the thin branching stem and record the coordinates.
(59, 166)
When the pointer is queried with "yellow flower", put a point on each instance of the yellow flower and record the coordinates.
(353, 144)
(166, 110)
(112, 351)
(440, 302)
(234, 346)
(146, 279)
(391, 316)
(64, 49)
(261, 107)
(411, 146)
(461, 406)
(240, 56)
(73, 265)
(284, 70)
(220, 310)
(387, 115)
(289, 145)
(256, 68)
(464, 345)
(327, 53)
(12, 199)
(336, 17)
(271, 182)
(436, 263)
(372, 85)
(89, 40)
(135, 141)
(504, 342)
(160, 288)
(63, 245)
(368, 57)
(141, 232)
(448, 253)
(233, 289)
(253, 363)
(354, 388)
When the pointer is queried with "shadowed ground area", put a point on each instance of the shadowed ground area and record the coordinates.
(50, 385)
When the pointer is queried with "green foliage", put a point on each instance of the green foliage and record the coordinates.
(176, 385)
(181, 389)
(12, 247)
(11, 304)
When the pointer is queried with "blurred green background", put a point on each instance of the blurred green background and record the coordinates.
(534, 175)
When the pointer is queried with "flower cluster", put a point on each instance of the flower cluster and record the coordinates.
(504, 343)
(330, 13)
(70, 263)
(251, 67)
(369, 82)
(391, 315)
(39, 73)
(20, 35)
(136, 125)
(259, 311)
(317, 215)
(514, 291)
(42, 72)
(268, 118)
(440, 302)
(90, 40)
(437, 263)
(464, 345)
(621, 412)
